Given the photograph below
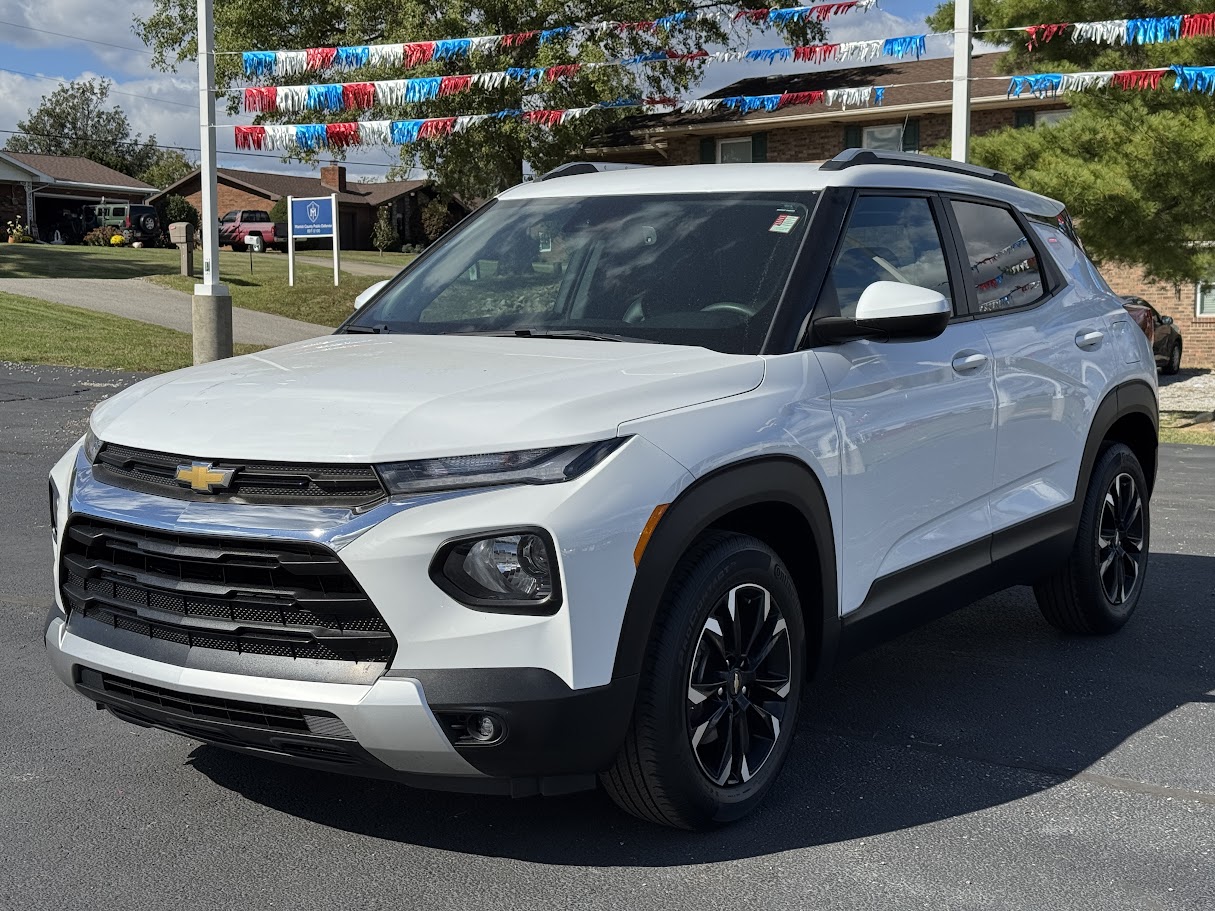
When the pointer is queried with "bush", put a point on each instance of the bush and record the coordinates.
(175, 208)
(385, 233)
(118, 240)
(101, 237)
(278, 212)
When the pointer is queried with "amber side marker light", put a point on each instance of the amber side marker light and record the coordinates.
(650, 525)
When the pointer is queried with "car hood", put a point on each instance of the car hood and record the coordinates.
(394, 397)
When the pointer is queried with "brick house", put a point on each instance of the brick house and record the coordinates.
(915, 117)
(40, 188)
(357, 202)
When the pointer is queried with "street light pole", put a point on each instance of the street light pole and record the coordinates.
(211, 309)
(963, 22)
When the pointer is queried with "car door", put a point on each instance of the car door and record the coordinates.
(915, 418)
(1045, 319)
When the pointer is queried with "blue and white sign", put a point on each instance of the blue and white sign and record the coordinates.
(312, 217)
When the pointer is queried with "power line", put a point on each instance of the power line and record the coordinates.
(121, 47)
(112, 91)
(371, 164)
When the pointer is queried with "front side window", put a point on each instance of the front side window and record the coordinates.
(1003, 263)
(888, 239)
(230, 218)
(697, 269)
(734, 151)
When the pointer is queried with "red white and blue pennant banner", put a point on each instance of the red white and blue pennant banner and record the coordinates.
(414, 53)
(1047, 85)
(313, 136)
(1154, 30)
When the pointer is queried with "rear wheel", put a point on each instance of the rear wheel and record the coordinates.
(718, 698)
(1099, 587)
(1174, 362)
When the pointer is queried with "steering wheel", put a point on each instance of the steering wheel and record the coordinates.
(730, 306)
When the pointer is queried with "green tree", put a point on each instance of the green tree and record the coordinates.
(1134, 167)
(436, 218)
(74, 120)
(168, 167)
(278, 212)
(489, 156)
(384, 235)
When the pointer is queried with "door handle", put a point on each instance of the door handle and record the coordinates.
(969, 362)
(1089, 339)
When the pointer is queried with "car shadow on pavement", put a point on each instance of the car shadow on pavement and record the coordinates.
(981, 708)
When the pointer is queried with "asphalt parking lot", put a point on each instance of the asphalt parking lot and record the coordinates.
(983, 761)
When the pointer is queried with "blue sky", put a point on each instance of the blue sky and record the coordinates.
(166, 104)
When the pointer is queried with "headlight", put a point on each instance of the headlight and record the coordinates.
(92, 446)
(512, 572)
(525, 466)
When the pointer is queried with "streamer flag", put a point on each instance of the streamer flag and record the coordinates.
(1151, 30)
(262, 64)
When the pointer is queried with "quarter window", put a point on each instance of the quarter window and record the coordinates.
(890, 239)
(1003, 264)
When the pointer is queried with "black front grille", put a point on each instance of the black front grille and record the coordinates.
(252, 482)
(293, 600)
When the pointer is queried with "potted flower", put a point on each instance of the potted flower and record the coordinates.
(17, 232)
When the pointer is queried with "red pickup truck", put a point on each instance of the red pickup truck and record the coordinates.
(251, 229)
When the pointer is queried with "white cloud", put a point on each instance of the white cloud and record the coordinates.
(109, 23)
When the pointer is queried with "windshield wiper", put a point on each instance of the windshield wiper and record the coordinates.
(368, 330)
(576, 334)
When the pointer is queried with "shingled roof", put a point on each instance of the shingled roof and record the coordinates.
(76, 170)
(279, 185)
(914, 83)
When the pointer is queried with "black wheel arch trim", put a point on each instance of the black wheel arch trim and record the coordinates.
(768, 479)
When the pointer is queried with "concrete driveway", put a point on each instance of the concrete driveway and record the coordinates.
(135, 298)
(982, 762)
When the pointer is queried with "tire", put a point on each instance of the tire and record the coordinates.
(1090, 594)
(673, 768)
(238, 248)
(1174, 362)
(148, 223)
(257, 245)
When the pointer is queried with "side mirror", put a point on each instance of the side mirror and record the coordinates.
(1166, 320)
(889, 311)
(367, 295)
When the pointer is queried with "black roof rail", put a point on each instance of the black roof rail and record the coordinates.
(587, 167)
(853, 158)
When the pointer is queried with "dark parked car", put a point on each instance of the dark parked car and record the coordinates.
(136, 222)
(1164, 336)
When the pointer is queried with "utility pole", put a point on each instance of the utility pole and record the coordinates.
(211, 309)
(963, 23)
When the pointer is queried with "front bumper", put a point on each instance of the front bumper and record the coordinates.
(548, 677)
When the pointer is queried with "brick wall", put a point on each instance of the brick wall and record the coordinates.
(230, 198)
(12, 204)
(1177, 301)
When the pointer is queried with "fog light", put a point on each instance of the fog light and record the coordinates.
(483, 728)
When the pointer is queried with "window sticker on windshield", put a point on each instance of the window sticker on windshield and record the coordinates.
(784, 224)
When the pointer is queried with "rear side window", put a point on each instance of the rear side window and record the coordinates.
(1003, 263)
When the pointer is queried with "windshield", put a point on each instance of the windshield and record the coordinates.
(701, 269)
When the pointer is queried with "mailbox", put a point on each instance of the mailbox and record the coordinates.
(181, 232)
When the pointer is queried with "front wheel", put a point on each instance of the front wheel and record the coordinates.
(1099, 586)
(718, 698)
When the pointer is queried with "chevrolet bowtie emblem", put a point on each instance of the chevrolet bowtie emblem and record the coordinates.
(203, 477)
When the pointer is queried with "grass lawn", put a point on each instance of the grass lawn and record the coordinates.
(38, 332)
(396, 260)
(313, 299)
(1199, 434)
(45, 261)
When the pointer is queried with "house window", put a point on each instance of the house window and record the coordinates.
(886, 138)
(1050, 118)
(1206, 299)
(734, 151)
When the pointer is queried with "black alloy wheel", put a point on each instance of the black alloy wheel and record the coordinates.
(738, 685)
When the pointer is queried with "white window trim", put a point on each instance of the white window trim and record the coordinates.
(1198, 314)
(728, 140)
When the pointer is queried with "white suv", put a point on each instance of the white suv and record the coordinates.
(598, 485)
